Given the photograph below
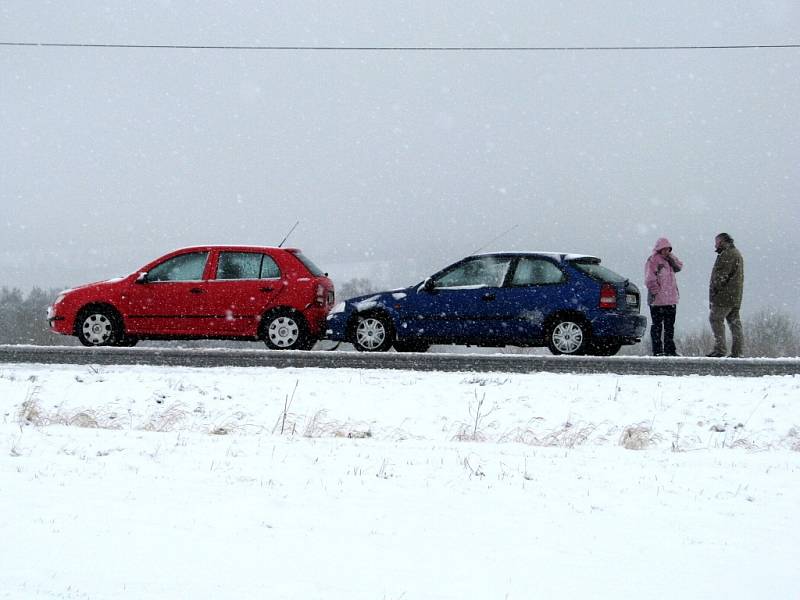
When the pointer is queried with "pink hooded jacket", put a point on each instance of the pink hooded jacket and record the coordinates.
(659, 276)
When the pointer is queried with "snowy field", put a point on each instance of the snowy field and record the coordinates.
(148, 482)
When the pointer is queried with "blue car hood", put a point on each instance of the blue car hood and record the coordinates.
(391, 297)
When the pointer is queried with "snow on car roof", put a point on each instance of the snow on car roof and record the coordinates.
(244, 246)
(556, 255)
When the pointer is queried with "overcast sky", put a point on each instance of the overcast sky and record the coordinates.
(407, 160)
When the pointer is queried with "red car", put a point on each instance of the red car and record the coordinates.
(226, 292)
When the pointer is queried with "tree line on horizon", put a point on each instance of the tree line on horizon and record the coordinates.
(768, 333)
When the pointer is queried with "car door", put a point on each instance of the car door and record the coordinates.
(458, 305)
(170, 298)
(244, 285)
(535, 288)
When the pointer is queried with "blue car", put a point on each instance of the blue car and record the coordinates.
(567, 302)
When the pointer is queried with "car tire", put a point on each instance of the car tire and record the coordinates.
(568, 335)
(604, 347)
(99, 327)
(373, 333)
(285, 330)
(411, 346)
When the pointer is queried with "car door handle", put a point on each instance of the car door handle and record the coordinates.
(266, 289)
(196, 291)
(488, 297)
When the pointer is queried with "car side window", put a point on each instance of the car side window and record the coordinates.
(184, 267)
(246, 265)
(536, 271)
(486, 271)
(269, 268)
(238, 265)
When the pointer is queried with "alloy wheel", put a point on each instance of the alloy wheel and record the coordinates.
(567, 337)
(370, 333)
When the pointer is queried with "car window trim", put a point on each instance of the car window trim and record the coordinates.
(516, 261)
(173, 257)
(260, 266)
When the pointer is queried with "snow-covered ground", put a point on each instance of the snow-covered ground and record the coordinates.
(147, 482)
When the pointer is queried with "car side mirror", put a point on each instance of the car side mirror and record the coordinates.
(429, 285)
(141, 277)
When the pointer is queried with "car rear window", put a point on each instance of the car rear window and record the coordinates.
(314, 269)
(597, 271)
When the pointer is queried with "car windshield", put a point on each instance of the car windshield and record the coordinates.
(594, 269)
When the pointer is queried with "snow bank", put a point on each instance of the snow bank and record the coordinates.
(148, 482)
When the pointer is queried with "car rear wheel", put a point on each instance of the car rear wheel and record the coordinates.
(286, 331)
(99, 327)
(568, 336)
(373, 333)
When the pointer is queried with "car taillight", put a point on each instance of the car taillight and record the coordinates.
(608, 296)
(320, 297)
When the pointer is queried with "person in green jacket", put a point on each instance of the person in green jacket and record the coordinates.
(725, 296)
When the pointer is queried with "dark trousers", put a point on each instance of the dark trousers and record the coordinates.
(663, 324)
(718, 316)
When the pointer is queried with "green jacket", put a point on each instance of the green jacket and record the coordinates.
(727, 279)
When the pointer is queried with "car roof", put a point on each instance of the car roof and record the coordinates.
(234, 247)
(559, 256)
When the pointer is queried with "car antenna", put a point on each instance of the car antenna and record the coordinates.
(286, 237)
(494, 239)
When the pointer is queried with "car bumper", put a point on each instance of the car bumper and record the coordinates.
(316, 317)
(336, 327)
(627, 327)
(58, 323)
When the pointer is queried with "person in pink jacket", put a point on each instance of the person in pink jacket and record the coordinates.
(662, 296)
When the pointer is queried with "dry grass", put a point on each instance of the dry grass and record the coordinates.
(472, 431)
(569, 435)
(638, 437)
(167, 419)
(31, 413)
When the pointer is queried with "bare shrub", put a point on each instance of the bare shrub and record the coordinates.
(772, 333)
(769, 333)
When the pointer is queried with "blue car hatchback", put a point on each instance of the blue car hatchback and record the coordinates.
(567, 302)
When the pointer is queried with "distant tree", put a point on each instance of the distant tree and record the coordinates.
(768, 333)
(772, 334)
(354, 287)
(11, 317)
(23, 319)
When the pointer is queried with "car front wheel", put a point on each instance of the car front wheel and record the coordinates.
(373, 333)
(99, 327)
(568, 336)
